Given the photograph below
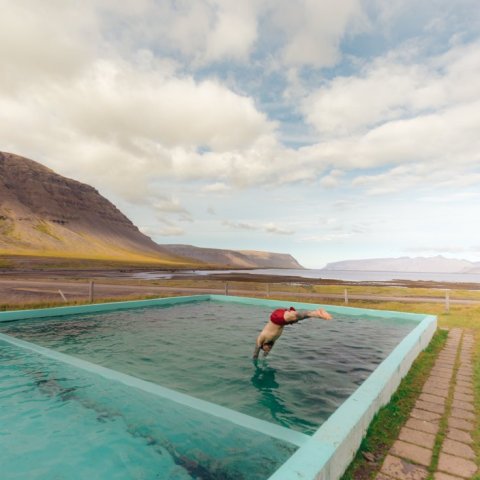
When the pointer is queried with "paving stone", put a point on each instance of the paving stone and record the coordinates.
(417, 454)
(397, 468)
(445, 476)
(445, 363)
(463, 405)
(463, 397)
(459, 435)
(464, 370)
(456, 465)
(458, 449)
(464, 414)
(460, 424)
(464, 378)
(423, 426)
(442, 369)
(446, 358)
(424, 415)
(463, 389)
(417, 437)
(430, 407)
(382, 476)
(439, 392)
(437, 382)
(427, 397)
(444, 366)
(462, 383)
(440, 374)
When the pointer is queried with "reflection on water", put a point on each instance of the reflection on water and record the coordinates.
(264, 381)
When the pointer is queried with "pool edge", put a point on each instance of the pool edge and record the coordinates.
(327, 454)
(332, 447)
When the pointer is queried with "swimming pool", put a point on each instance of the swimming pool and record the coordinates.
(172, 384)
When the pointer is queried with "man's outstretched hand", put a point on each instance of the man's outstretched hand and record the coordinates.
(321, 313)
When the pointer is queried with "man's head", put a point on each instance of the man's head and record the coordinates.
(266, 347)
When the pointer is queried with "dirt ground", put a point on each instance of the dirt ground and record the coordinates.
(24, 286)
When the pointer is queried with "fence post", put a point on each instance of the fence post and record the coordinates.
(268, 290)
(91, 288)
(345, 294)
(226, 288)
(447, 301)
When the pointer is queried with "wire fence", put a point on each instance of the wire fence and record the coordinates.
(27, 292)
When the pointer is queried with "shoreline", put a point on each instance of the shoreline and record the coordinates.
(126, 275)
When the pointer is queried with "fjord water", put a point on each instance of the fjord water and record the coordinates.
(204, 350)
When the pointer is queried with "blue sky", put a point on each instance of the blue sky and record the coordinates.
(328, 131)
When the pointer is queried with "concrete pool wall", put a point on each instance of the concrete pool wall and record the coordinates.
(327, 453)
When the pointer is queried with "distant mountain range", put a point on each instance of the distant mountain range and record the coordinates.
(43, 213)
(437, 264)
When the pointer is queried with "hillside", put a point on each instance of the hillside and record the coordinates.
(238, 258)
(45, 214)
(437, 264)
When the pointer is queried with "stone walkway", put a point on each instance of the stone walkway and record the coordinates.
(444, 410)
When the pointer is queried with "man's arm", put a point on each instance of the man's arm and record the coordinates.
(256, 351)
(293, 316)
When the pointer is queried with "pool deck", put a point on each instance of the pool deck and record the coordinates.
(443, 412)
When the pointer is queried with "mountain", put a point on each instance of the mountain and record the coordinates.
(436, 264)
(45, 214)
(239, 258)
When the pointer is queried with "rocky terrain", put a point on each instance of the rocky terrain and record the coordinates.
(45, 214)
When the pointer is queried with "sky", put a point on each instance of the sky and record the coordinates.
(327, 130)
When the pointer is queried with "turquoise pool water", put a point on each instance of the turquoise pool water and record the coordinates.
(61, 422)
(204, 350)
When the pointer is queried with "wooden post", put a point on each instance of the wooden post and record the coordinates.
(268, 290)
(226, 288)
(345, 294)
(91, 291)
(447, 301)
(63, 296)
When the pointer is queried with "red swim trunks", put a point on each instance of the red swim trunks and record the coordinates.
(277, 316)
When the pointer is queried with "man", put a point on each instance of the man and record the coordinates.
(278, 319)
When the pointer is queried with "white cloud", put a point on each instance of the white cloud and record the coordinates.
(240, 225)
(217, 187)
(170, 232)
(171, 206)
(388, 90)
(278, 229)
(332, 179)
(314, 29)
(269, 227)
(326, 237)
(234, 31)
(42, 42)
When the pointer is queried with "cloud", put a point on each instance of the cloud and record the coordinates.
(171, 206)
(332, 179)
(217, 187)
(278, 230)
(326, 237)
(240, 225)
(36, 47)
(389, 89)
(269, 227)
(170, 232)
(314, 29)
